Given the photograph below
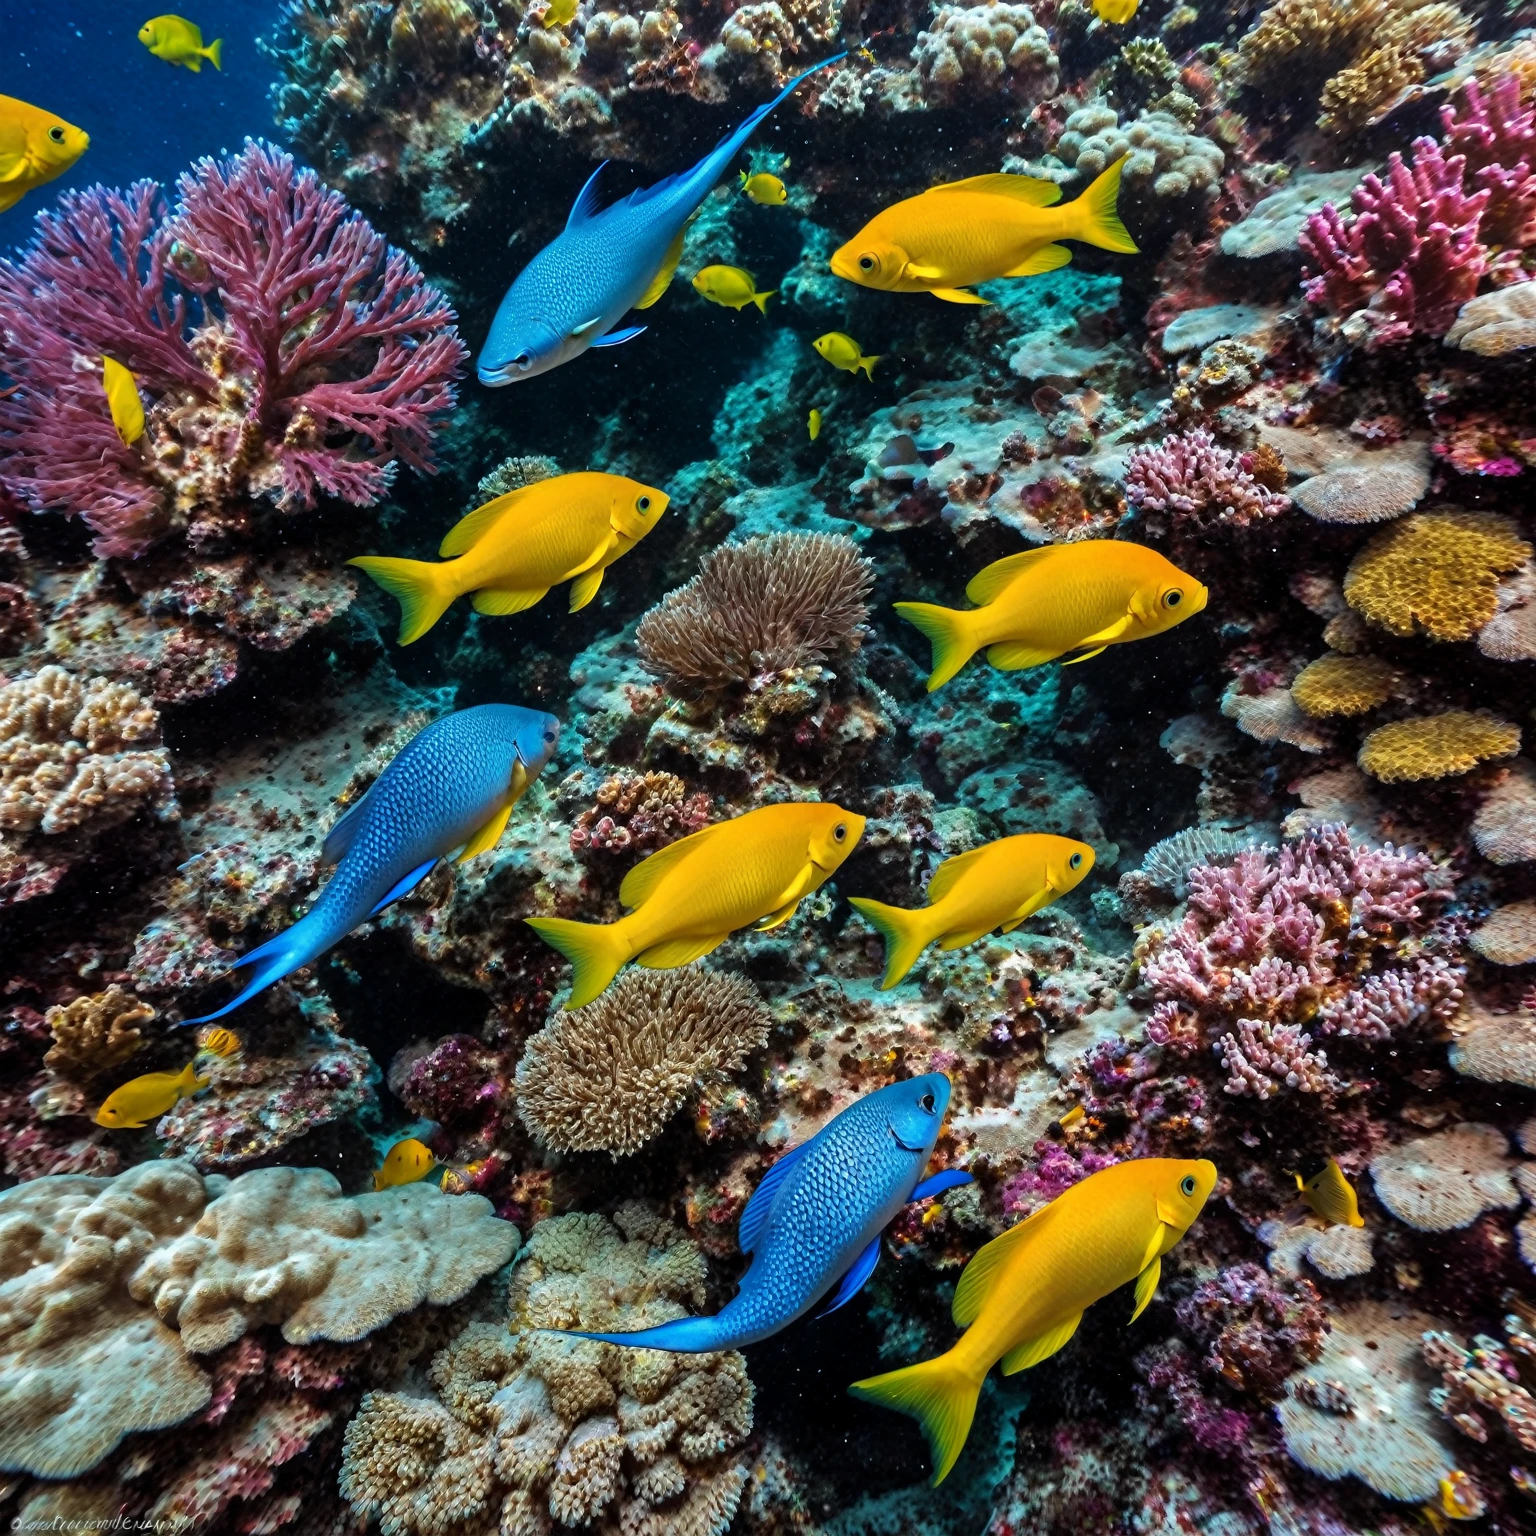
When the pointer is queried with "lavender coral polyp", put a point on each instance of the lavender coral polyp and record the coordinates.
(1191, 474)
(284, 348)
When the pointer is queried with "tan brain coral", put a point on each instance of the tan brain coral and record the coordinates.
(1494, 1047)
(1443, 1182)
(1504, 828)
(1495, 324)
(93, 1034)
(1435, 573)
(1344, 685)
(1436, 746)
(532, 1432)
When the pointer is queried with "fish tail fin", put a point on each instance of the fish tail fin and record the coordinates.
(1099, 216)
(905, 933)
(761, 300)
(595, 950)
(214, 53)
(939, 1394)
(278, 957)
(949, 633)
(189, 1082)
(684, 1335)
(420, 587)
(868, 365)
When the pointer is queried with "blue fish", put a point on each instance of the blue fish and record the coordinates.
(605, 262)
(818, 1214)
(451, 787)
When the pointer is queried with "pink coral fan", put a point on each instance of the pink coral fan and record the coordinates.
(284, 348)
(1190, 473)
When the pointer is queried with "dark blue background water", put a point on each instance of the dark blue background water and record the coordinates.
(145, 117)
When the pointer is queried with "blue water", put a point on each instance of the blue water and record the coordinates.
(145, 117)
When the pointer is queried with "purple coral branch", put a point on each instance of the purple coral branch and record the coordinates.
(1190, 473)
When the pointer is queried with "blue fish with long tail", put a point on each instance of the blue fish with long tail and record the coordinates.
(606, 262)
(450, 789)
(818, 1215)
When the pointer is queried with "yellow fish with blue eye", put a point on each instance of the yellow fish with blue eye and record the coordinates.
(1117, 11)
(405, 1163)
(765, 189)
(995, 886)
(122, 391)
(843, 352)
(1022, 1296)
(35, 146)
(148, 1097)
(1325, 1190)
(179, 41)
(1057, 600)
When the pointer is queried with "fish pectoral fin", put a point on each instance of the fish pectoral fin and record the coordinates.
(584, 588)
(921, 274)
(1015, 655)
(958, 296)
(404, 884)
(777, 919)
(1072, 661)
(960, 940)
(518, 783)
(1049, 258)
(1146, 1287)
(1041, 898)
(853, 1282)
(502, 600)
(664, 273)
(486, 838)
(676, 952)
(586, 327)
(616, 338)
(937, 1183)
(1042, 1347)
(1109, 634)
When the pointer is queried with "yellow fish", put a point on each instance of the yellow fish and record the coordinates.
(511, 551)
(978, 230)
(1022, 1296)
(1326, 1191)
(560, 13)
(844, 352)
(1459, 1497)
(179, 41)
(123, 400)
(732, 287)
(1038, 605)
(1117, 11)
(691, 896)
(219, 1042)
(996, 885)
(404, 1163)
(765, 189)
(813, 424)
(147, 1098)
(35, 146)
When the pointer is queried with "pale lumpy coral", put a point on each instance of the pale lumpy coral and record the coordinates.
(992, 47)
(76, 752)
(531, 1431)
(1438, 1183)
(1161, 155)
(95, 1033)
(609, 1076)
(108, 1287)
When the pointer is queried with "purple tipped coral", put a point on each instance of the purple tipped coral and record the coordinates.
(1192, 474)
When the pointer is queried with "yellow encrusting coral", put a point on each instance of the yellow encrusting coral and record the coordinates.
(1344, 685)
(1435, 572)
(1436, 746)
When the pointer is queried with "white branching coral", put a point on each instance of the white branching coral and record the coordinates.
(992, 47)
(74, 752)
(532, 1432)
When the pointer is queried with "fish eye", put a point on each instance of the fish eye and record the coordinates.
(549, 736)
(1172, 599)
(644, 503)
(866, 263)
(840, 832)
(56, 134)
(1187, 1184)
(927, 1103)
(1075, 862)
(523, 360)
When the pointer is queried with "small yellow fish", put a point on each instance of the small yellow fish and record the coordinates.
(1460, 1498)
(1036, 606)
(844, 352)
(219, 1042)
(978, 230)
(765, 189)
(147, 1098)
(995, 886)
(1326, 1191)
(559, 13)
(813, 424)
(732, 287)
(123, 401)
(1022, 1296)
(690, 897)
(1072, 1117)
(35, 146)
(179, 41)
(404, 1163)
(1117, 11)
(511, 551)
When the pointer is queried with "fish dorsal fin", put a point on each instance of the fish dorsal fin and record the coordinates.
(950, 871)
(989, 582)
(1024, 189)
(760, 1206)
(980, 1275)
(1041, 1347)
(469, 530)
(339, 840)
(643, 879)
(588, 203)
(664, 272)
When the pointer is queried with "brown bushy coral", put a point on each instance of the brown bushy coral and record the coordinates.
(95, 1033)
(1436, 746)
(609, 1076)
(762, 607)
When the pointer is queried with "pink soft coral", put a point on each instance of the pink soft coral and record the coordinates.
(1191, 474)
(283, 346)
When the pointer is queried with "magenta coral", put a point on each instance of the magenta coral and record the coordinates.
(284, 348)
(1496, 136)
(1190, 473)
